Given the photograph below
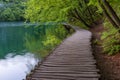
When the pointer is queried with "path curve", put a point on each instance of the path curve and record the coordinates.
(72, 60)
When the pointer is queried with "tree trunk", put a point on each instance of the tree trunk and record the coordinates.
(90, 14)
(81, 19)
(113, 13)
(107, 15)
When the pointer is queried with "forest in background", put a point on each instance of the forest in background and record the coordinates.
(12, 10)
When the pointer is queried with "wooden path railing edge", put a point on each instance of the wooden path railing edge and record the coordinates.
(28, 77)
(50, 53)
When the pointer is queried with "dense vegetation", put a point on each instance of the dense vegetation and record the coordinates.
(44, 38)
(12, 10)
(88, 12)
(61, 11)
(111, 35)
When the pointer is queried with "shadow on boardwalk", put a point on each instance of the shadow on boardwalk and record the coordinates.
(72, 60)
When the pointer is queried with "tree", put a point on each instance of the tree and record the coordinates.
(111, 36)
(60, 11)
(12, 10)
(108, 10)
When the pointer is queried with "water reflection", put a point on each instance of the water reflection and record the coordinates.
(16, 40)
(16, 67)
(12, 38)
(15, 61)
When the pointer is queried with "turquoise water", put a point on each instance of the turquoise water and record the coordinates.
(15, 60)
(20, 44)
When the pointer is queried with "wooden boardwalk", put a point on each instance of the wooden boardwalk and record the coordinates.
(72, 60)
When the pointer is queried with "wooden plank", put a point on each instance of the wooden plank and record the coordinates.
(57, 65)
(80, 70)
(67, 68)
(64, 78)
(40, 75)
(82, 63)
(76, 72)
(72, 60)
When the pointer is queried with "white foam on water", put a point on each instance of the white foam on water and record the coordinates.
(17, 67)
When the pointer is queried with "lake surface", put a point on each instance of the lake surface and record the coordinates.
(15, 60)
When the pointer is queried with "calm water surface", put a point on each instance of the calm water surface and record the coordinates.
(15, 60)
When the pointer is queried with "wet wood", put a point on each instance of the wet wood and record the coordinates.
(72, 60)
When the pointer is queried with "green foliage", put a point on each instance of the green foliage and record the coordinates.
(7, 14)
(112, 2)
(95, 3)
(116, 5)
(12, 10)
(54, 36)
(60, 11)
(111, 40)
(49, 10)
(45, 38)
(51, 41)
(111, 35)
(79, 24)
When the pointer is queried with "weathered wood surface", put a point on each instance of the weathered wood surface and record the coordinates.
(72, 60)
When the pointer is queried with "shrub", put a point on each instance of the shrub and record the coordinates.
(111, 40)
